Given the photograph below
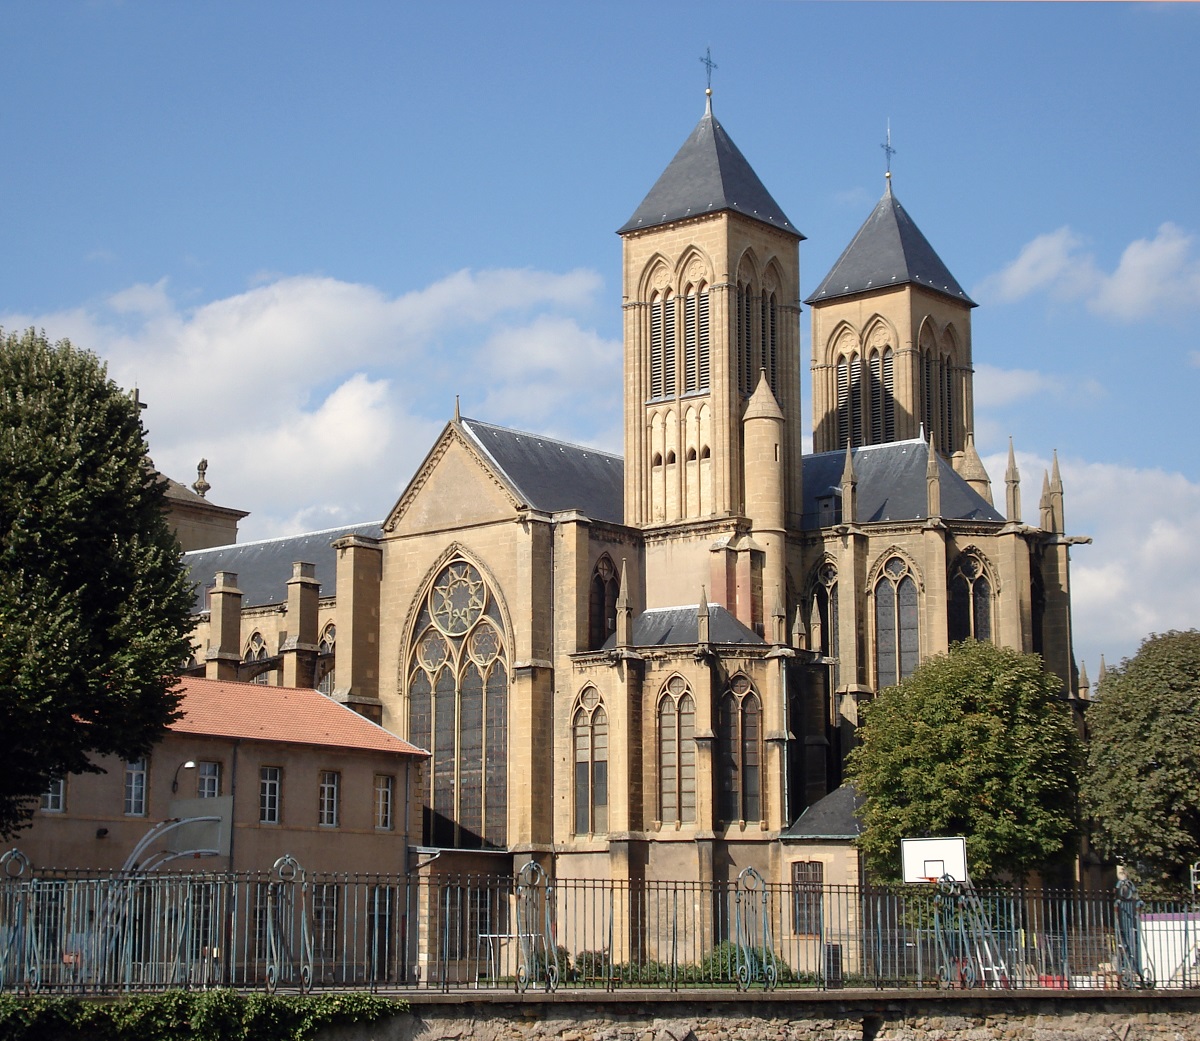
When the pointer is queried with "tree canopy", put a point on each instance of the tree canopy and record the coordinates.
(94, 601)
(976, 743)
(1143, 773)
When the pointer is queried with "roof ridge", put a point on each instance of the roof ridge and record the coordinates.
(283, 538)
(543, 437)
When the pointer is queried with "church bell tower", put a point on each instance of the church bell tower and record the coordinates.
(711, 278)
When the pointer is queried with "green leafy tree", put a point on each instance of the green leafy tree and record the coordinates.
(94, 601)
(977, 743)
(1143, 773)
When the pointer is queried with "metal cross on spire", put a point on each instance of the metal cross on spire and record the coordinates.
(888, 152)
(709, 65)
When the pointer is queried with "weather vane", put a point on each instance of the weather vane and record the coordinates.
(709, 65)
(888, 150)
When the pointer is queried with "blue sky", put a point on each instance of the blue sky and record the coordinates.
(302, 228)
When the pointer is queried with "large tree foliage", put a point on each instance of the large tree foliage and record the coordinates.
(94, 602)
(1143, 777)
(975, 743)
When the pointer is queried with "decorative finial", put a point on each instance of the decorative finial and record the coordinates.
(201, 486)
(709, 65)
(888, 152)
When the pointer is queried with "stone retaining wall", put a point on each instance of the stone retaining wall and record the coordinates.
(844, 1016)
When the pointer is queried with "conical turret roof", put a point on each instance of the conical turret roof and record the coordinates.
(888, 250)
(707, 175)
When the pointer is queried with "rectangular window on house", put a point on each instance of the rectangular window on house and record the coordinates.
(808, 877)
(135, 788)
(270, 794)
(327, 814)
(385, 790)
(208, 780)
(54, 798)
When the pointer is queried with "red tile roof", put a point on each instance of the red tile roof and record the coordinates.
(290, 715)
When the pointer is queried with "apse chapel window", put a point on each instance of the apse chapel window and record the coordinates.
(602, 603)
(256, 651)
(676, 753)
(970, 610)
(825, 611)
(739, 753)
(897, 632)
(325, 659)
(458, 709)
(590, 734)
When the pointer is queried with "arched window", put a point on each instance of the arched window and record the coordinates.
(256, 652)
(602, 603)
(970, 610)
(676, 753)
(662, 346)
(882, 399)
(739, 753)
(770, 340)
(946, 437)
(589, 730)
(325, 647)
(849, 400)
(897, 628)
(745, 342)
(691, 343)
(458, 710)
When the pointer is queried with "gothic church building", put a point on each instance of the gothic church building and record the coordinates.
(650, 666)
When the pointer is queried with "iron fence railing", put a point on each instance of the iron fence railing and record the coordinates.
(92, 933)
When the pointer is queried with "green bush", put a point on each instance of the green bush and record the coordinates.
(215, 1015)
(723, 961)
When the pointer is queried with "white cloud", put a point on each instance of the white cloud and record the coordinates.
(1052, 263)
(1153, 276)
(995, 387)
(1127, 583)
(315, 399)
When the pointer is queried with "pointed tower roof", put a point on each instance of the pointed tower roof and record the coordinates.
(888, 250)
(707, 175)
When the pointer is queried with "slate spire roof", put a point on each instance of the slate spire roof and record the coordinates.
(707, 175)
(888, 250)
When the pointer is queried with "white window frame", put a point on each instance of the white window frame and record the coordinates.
(136, 777)
(54, 798)
(385, 800)
(208, 780)
(270, 794)
(328, 801)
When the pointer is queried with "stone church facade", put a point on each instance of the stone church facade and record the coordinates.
(649, 667)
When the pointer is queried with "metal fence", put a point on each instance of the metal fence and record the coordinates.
(92, 933)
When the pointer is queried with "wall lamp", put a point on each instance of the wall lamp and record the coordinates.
(189, 765)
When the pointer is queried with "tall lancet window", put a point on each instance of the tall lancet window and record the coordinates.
(676, 753)
(458, 710)
(946, 437)
(770, 351)
(849, 400)
(970, 609)
(897, 626)
(602, 603)
(739, 753)
(703, 348)
(690, 343)
(656, 346)
(669, 347)
(589, 729)
(745, 339)
(880, 392)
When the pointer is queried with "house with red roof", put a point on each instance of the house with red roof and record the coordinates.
(247, 774)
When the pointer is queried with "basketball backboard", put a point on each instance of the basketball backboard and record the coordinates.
(931, 860)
